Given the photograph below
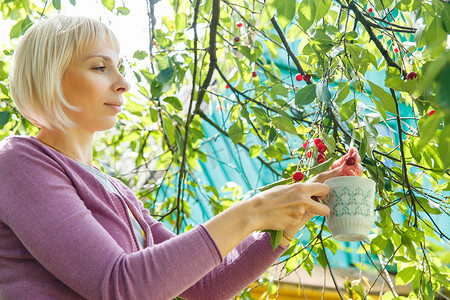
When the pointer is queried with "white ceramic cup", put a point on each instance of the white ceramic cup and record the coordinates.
(351, 203)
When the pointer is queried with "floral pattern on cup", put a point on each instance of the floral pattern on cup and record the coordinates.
(352, 202)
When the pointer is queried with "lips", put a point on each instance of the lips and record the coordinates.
(117, 106)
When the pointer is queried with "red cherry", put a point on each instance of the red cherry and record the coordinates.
(298, 77)
(350, 161)
(431, 112)
(239, 24)
(309, 154)
(411, 75)
(307, 77)
(305, 145)
(396, 50)
(227, 86)
(297, 176)
(318, 142)
(322, 148)
(321, 158)
(254, 74)
(237, 39)
(370, 10)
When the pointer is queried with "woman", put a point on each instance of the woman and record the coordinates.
(68, 231)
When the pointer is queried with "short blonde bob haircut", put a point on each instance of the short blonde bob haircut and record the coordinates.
(39, 63)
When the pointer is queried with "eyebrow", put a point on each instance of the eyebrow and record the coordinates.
(104, 57)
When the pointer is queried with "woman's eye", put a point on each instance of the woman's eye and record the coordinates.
(101, 69)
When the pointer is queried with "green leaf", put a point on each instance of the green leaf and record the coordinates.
(56, 4)
(123, 10)
(180, 22)
(427, 130)
(73, 2)
(405, 276)
(321, 41)
(4, 117)
(386, 99)
(147, 75)
(236, 132)
(352, 35)
(331, 244)
(342, 92)
(319, 168)
(306, 14)
(273, 152)
(20, 27)
(156, 89)
(261, 114)
(360, 57)
(275, 238)
(379, 107)
(165, 75)
(399, 84)
(321, 259)
(445, 14)
(443, 94)
(329, 141)
(139, 54)
(378, 244)
(347, 109)
(415, 235)
(255, 150)
(306, 95)
(419, 36)
(323, 93)
(175, 102)
(382, 4)
(268, 12)
(169, 129)
(284, 124)
(291, 264)
(322, 8)
(285, 12)
(109, 4)
(444, 146)
(436, 35)
(408, 5)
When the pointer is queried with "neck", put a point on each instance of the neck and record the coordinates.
(75, 145)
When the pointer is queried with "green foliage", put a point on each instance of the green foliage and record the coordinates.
(359, 61)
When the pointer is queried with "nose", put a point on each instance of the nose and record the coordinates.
(121, 85)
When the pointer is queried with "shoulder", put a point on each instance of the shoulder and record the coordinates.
(24, 153)
(16, 146)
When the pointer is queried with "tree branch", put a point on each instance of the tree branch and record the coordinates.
(218, 128)
(368, 25)
(288, 47)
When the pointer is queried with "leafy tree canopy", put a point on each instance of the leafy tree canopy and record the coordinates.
(374, 74)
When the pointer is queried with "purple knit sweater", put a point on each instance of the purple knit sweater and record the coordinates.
(64, 236)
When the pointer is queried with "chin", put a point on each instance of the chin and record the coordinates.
(103, 126)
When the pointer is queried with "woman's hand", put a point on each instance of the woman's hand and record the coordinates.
(284, 207)
(341, 168)
(289, 206)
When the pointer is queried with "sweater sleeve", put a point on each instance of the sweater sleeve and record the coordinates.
(40, 204)
(241, 267)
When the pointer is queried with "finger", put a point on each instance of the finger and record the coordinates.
(316, 189)
(318, 208)
(355, 155)
(330, 173)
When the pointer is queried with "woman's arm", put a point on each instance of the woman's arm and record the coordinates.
(44, 210)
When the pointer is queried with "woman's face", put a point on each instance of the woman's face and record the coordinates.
(93, 83)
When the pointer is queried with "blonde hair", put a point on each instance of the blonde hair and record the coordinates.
(39, 63)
